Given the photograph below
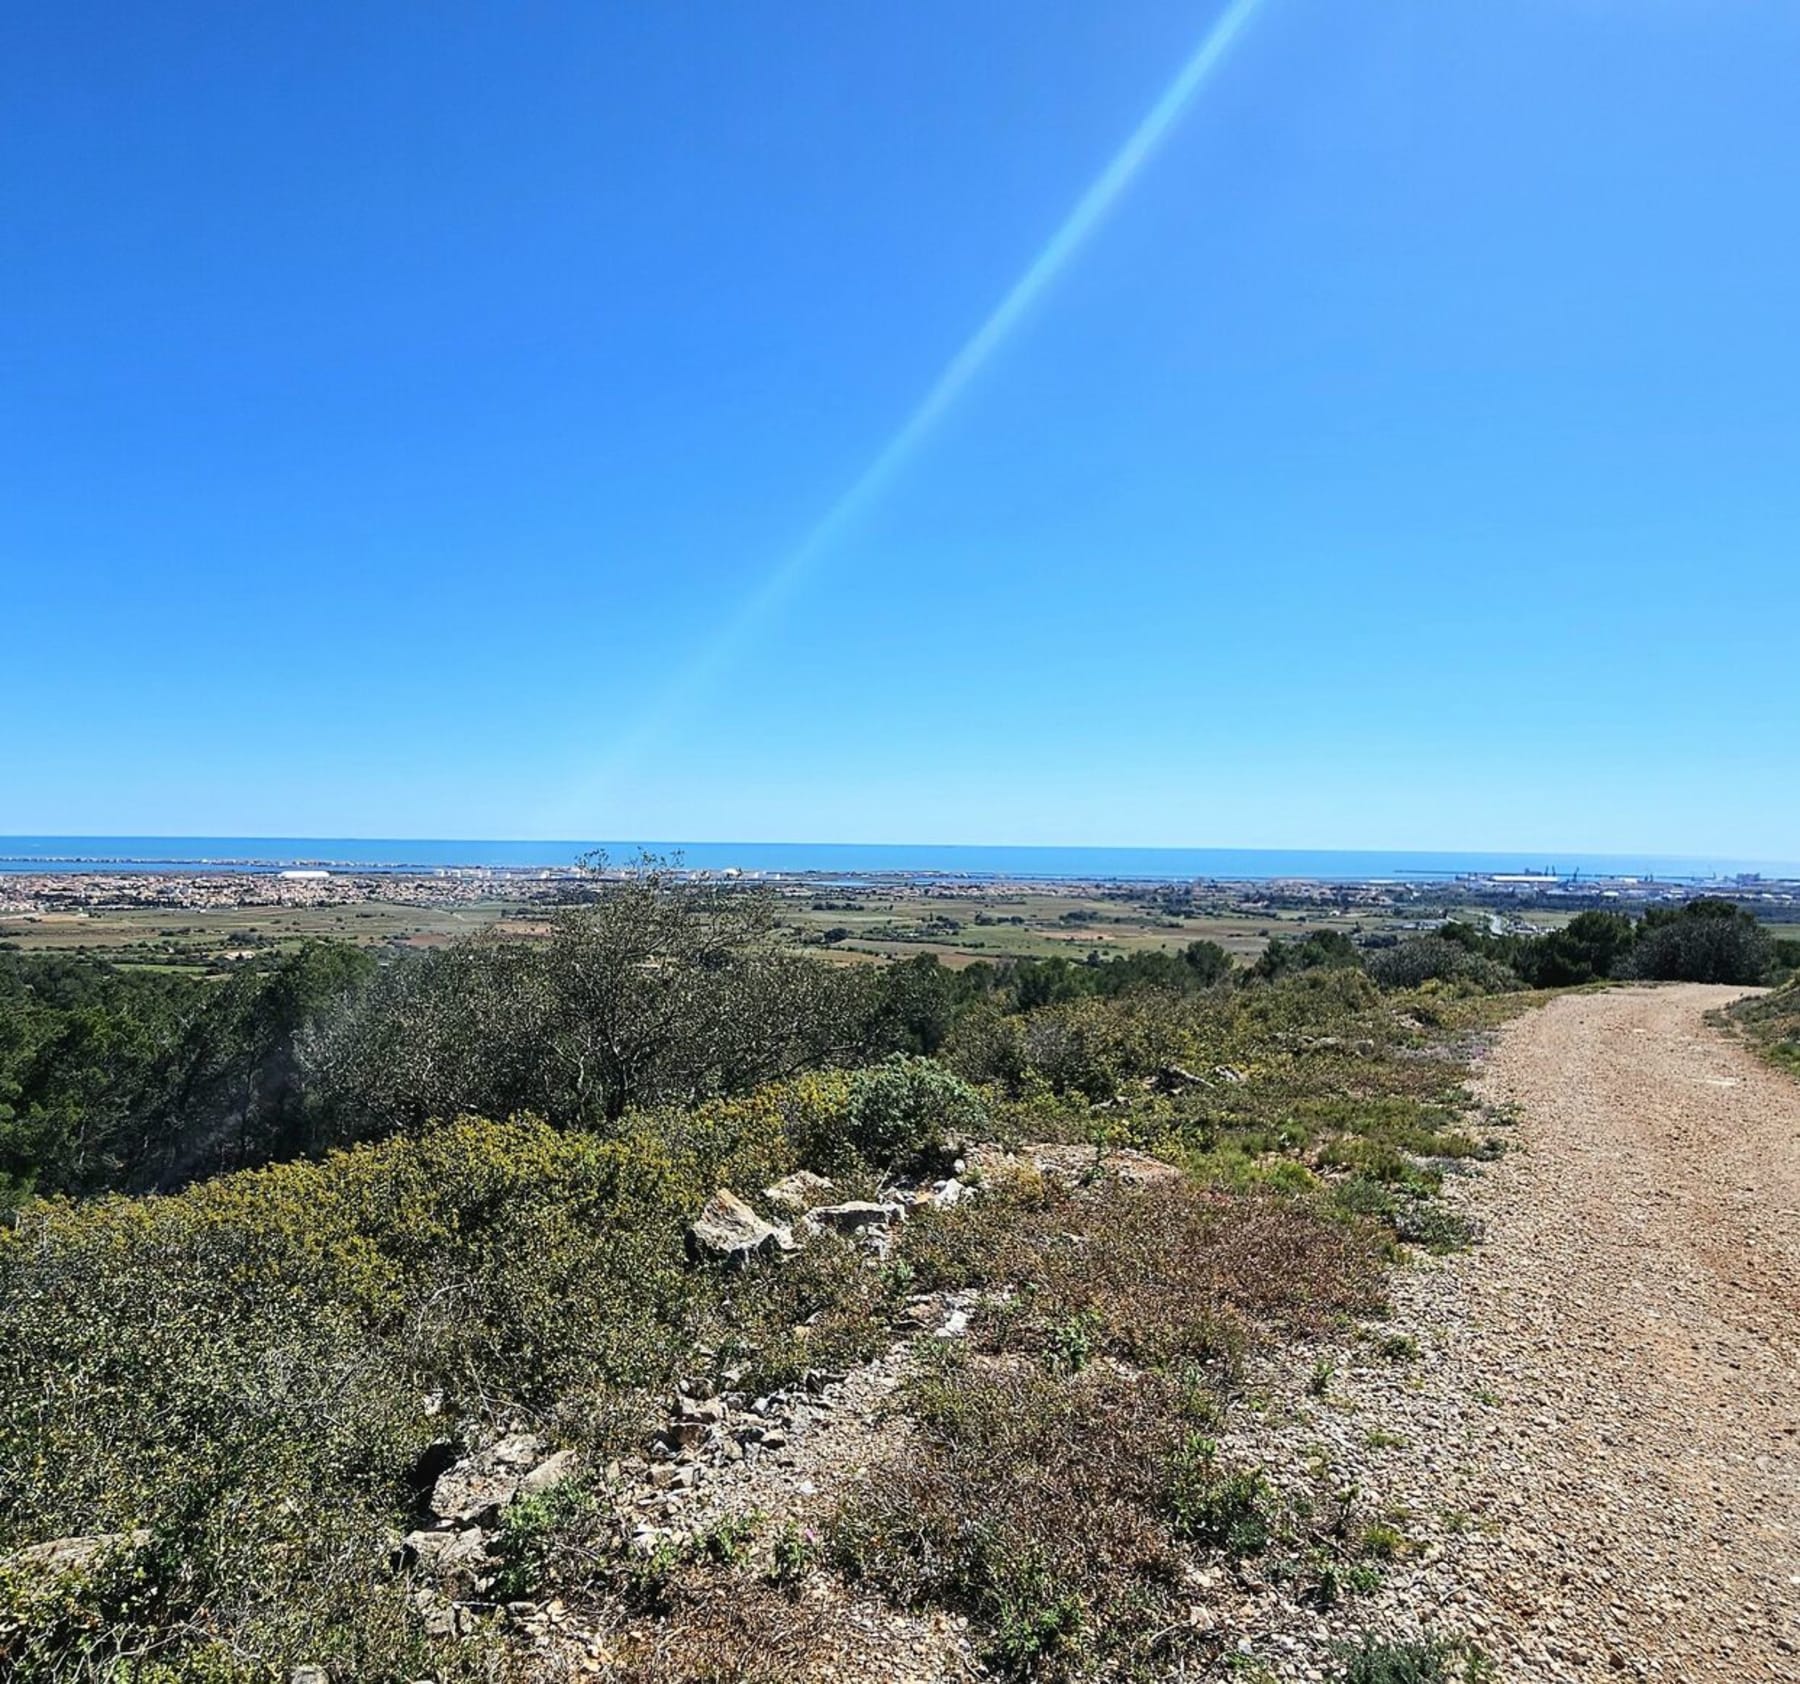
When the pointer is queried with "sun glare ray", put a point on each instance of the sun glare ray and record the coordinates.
(699, 676)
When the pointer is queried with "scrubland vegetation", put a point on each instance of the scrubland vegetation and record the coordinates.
(1772, 1021)
(281, 1245)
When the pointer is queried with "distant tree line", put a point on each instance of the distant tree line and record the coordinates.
(656, 993)
(1703, 940)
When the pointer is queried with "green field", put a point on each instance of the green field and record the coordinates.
(962, 928)
(208, 935)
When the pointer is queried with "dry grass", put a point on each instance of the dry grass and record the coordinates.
(727, 1628)
(1155, 1276)
(1040, 1507)
(1057, 1478)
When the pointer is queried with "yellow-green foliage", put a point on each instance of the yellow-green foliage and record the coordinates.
(244, 1367)
(251, 1368)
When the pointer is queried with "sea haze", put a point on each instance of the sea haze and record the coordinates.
(25, 854)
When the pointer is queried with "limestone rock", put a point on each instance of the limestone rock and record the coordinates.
(797, 1192)
(728, 1231)
(549, 1474)
(1177, 1078)
(446, 1554)
(436, 1613)
(63, 1555)
(855, 1217)
(1073, 1166)
(474, 1490)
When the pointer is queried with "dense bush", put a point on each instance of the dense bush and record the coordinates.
(908, 1110)
(1589, 947)
(1091, 1047)
(120, 1078)
(1317, 950)
(1703, 941)
(252, 1368)
(1435, 959)
(660, 992)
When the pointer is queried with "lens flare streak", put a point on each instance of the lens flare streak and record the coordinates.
(703, 671)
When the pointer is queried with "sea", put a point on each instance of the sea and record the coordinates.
(845, 861)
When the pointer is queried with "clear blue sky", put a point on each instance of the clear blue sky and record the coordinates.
(403, 409)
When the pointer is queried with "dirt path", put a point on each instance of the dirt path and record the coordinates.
(1637, 1313)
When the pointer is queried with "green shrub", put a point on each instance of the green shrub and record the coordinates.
(1377, 1660)
(1382, 1542)
(1221, 1508)
(244, 1367)
(792, 1554)
(908, 1110)
(1433, 959)
(1706, 941)
(536, 1533)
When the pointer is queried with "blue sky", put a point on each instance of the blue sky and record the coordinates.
(402, 408)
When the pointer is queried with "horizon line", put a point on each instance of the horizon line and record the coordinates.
(1523, 851)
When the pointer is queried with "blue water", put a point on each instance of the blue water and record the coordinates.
(839, 859)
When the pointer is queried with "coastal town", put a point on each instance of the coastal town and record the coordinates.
(227, 914)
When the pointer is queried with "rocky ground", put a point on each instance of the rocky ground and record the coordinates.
(1578, 1443)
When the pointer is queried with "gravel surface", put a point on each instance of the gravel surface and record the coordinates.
(1592, 1457)
(1636, 1305)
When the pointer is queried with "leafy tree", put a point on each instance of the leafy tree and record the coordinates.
(1208, 962)
(121, 1078)
(1317, 950)
(1589, 947)
(1707, 940)
(1042, 982)
(660, 991)
(911, 1006)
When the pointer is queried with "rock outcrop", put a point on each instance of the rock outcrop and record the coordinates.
(854, 1217)
(473, 1491)
(797, 1193)
(727, 1231)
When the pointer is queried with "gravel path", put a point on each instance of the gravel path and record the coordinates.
(1593, 1456)
(1637, 1308)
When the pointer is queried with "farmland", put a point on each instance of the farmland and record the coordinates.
(218, 922)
